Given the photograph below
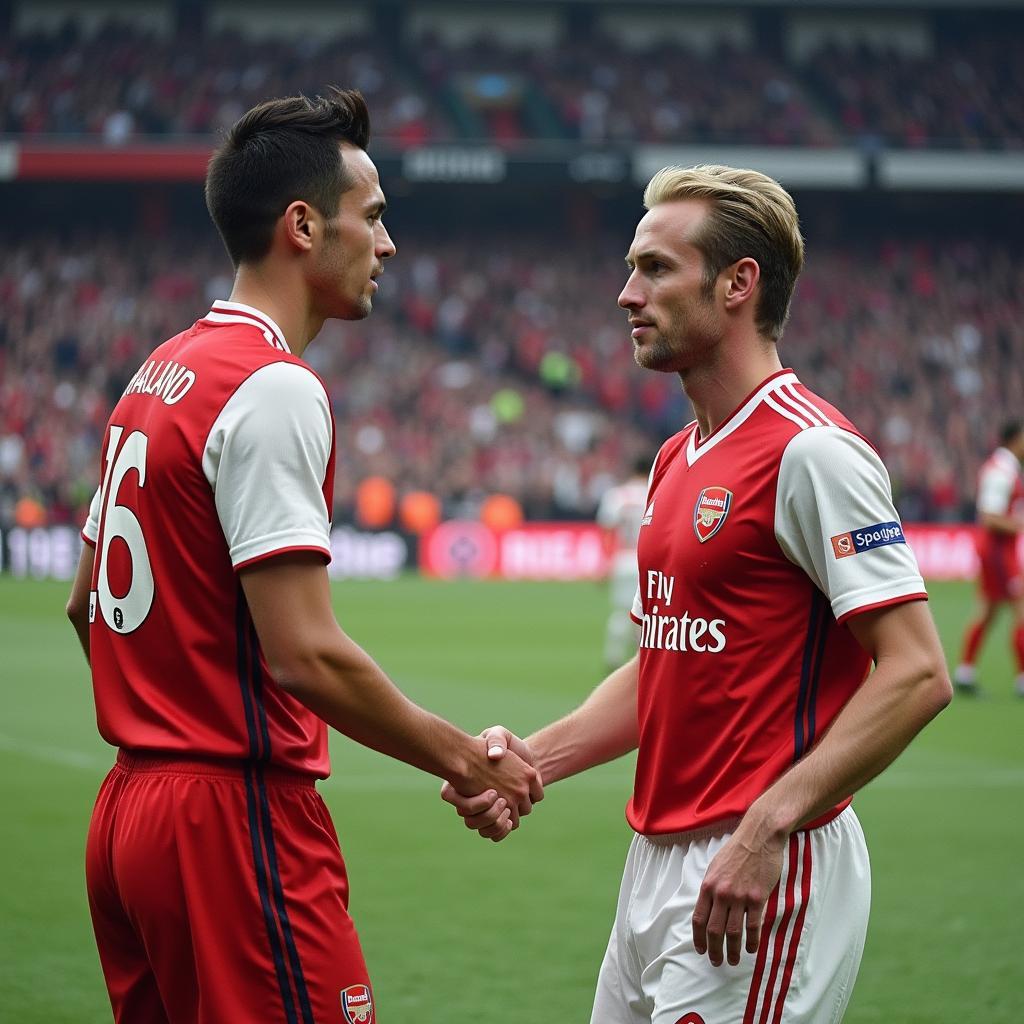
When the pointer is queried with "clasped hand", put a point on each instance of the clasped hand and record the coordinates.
(513, 786)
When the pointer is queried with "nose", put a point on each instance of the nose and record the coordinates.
(385, 248)
(631, 296)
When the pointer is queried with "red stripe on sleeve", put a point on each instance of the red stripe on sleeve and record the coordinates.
(902, 599)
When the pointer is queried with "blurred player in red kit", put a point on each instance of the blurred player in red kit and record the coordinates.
(216, 884)
(1000, 580)
(772, 571)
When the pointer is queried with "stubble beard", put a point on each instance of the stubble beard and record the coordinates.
(682, 345)
(661, 354)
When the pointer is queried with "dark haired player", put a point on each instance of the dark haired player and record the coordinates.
(216, 884)
(1000, 580)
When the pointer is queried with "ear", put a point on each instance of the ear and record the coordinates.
(740, 281)
(297, 225)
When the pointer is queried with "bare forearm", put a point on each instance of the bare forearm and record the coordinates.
(885, 714)
(78, 600)
(601, 729)
(347, 689)
(81, 625)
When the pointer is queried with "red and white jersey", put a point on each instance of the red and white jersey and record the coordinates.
(620, 510)
(757, 544)
(1000, 487)
(219, 454)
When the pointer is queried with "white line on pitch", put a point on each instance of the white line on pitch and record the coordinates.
(982, 778)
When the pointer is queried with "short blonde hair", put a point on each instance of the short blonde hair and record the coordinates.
(751, 215)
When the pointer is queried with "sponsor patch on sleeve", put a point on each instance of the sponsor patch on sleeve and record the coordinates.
(867, 538)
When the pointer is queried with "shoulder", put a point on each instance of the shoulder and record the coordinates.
(279, 388)
(276, 400)
(831, 450)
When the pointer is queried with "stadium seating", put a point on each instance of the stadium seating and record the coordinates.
(505, 374)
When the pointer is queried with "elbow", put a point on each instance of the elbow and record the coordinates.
(302, 672)
(78, 613)
(295, 674)
(934, 688)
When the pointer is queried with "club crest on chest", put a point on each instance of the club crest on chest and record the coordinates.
(710, 512)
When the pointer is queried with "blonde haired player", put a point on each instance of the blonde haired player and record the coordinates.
(773, 570)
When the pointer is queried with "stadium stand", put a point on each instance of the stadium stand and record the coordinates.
(504, 374)
(497, 362)
(623, 78)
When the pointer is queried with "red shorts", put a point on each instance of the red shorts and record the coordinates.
(219, 895)
(1000, 578)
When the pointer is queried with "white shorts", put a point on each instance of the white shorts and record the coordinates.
(811, 939)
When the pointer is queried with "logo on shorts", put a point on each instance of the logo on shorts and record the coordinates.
(867, 538)
(690, 1018)
(357, 1004)
(713, 504)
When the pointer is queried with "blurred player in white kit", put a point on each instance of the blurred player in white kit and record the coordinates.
(620, 511)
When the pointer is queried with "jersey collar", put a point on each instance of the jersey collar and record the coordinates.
(239, 313)
(695, 449)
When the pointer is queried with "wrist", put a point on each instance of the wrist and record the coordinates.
(767, 823)
(458, 763)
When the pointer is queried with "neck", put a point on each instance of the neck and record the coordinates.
(286, 302)
(717, 388)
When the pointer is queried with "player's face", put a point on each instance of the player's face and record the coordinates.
(354, 244)
(676, 324)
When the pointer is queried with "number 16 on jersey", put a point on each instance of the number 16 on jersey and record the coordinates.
(124, 612)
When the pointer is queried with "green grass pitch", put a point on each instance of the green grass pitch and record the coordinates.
(458, 930)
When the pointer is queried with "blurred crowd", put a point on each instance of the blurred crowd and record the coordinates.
(511, 372)
(123, 82)
(969, 94)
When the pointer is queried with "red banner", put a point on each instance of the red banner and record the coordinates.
(88, 161)
(533, 551)
(947, 552)
(575, 551)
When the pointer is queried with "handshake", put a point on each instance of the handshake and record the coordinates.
(492, 799)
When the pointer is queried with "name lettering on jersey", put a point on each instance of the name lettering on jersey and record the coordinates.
(867, 538)
(167, 380)
(709, 514)
(648, 515)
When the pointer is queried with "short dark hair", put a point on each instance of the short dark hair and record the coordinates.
(1012, 429)
(280, 151)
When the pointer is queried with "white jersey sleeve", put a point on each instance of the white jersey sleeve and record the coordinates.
(995, 486)
(91, 530)
(834, 517)
(266, 459)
